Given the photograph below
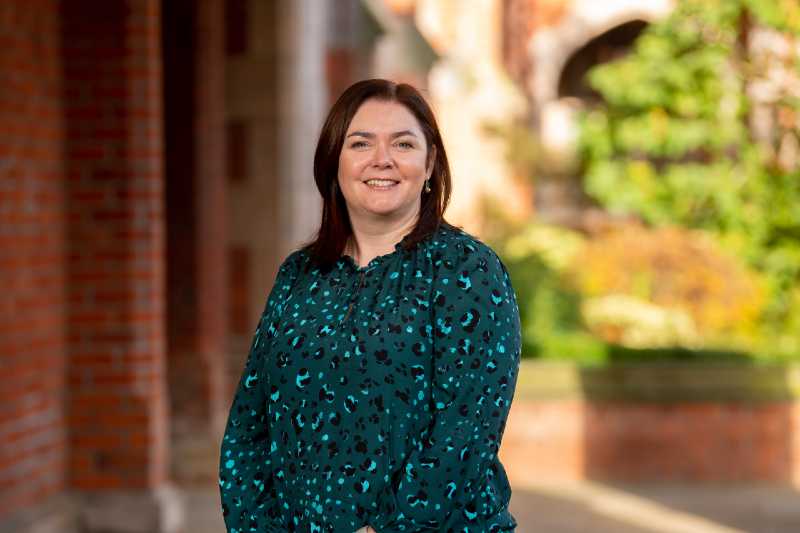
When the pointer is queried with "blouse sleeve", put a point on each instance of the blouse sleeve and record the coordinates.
(248, 501)
(452, 477)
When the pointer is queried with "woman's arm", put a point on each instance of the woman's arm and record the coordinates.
(244, 482)
(452, 478)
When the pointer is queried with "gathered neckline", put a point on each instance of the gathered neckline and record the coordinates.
(375, 260)
(398, 250)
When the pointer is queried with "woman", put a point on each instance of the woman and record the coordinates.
(381, 372)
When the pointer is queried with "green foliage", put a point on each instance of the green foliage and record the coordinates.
(547, 306)
(537, 257)
(553, 327)
(673, 141)
(783, 15)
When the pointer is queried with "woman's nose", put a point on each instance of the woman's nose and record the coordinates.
(382, 157)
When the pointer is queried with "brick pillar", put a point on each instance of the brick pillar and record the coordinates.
(194, 54)
(118, 416)
(32, 334)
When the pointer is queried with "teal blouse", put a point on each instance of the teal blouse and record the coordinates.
(377, 395)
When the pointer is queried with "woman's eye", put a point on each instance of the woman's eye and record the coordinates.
(405, 144)
(358, 144)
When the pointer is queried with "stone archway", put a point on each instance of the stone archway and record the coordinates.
(551, 47)
(604, 48)
(560, 56)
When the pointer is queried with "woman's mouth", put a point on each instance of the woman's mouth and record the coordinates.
(381, 185)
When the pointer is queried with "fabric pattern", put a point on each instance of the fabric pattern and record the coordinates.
(377, 395)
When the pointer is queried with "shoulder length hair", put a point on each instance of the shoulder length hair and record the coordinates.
(335, 228)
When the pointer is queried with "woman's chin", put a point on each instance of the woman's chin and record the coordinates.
(387, 207)
(383, 213)
(382, 208)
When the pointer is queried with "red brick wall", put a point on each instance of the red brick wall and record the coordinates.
(720, 442)
(543, 440)
(518, 23)
(32, 343)
(705, 442)
(520, 20)
(115, 261)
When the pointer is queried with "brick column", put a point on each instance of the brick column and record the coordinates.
(32, 334)
(194, 95)
(118, 414)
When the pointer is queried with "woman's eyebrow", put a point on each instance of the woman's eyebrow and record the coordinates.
(369, 135)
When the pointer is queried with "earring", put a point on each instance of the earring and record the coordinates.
(427, 185)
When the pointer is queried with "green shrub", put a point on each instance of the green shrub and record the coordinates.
(699, 127)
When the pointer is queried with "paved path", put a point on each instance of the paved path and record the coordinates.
(590, 507)
(601, 508)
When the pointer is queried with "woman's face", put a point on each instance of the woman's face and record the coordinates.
(383, 162)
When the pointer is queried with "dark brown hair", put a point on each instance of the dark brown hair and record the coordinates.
(335, 228)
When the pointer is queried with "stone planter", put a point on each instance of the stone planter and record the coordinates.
(696, 422)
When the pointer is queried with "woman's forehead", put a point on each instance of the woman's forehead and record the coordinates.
(378, 116)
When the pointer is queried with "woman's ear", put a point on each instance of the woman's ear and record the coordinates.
(431, 160)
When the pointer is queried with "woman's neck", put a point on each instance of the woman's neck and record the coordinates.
(368, 242)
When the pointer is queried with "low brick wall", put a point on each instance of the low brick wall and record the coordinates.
(666, 422)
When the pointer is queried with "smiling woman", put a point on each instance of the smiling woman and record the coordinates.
(378, 129)
(383, 367)
(382, 166)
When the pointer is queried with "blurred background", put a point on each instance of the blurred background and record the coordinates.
(635, 163)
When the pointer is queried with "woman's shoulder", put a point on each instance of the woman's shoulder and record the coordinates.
(468, 270)
(293, 263)
(456, 245)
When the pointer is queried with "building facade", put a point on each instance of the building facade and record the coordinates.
(155, 168)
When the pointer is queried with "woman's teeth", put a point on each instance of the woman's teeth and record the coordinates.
(381, 184)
